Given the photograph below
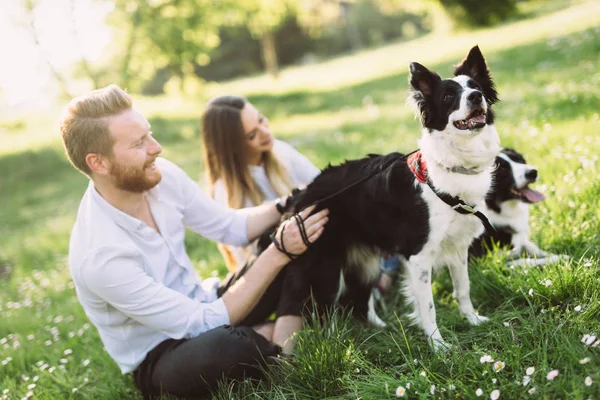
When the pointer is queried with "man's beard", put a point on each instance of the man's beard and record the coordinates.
(133, 179)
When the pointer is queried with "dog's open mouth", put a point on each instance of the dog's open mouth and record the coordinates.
(528, 194)
(475, 120)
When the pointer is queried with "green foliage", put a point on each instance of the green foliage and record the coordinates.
(480, 13)
(302, 39)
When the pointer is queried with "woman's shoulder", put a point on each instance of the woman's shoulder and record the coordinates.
(279, 146)
(285, 151)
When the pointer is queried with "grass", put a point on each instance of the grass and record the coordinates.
(547, 75)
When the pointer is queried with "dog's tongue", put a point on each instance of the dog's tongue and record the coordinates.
(533, 196)
(477, 119)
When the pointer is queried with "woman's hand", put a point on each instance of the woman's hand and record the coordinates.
(289, 235)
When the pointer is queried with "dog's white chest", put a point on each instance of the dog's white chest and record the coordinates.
(448, 228)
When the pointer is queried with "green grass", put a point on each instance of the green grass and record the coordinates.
(548, 78)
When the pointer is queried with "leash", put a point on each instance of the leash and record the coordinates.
(361, 180)
(414, 163)
(300, 222)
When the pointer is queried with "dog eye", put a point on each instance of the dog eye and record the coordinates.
(448, 97)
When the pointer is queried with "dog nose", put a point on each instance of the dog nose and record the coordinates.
(475, 97)
(531, 175)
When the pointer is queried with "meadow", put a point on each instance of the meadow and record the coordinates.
(541, 340)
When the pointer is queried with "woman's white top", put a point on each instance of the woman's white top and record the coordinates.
(301, 171)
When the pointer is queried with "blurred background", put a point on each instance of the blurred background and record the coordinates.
(60, 48)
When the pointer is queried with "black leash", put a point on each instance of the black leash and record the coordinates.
(454, 202)
(361, 180)
(279, 243)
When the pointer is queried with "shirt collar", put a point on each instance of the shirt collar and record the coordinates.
(121, 218)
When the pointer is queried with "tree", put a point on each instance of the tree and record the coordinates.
(479, 13)
(166, 35)
(264, 18)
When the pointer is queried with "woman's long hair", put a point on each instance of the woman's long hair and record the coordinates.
(226, 158)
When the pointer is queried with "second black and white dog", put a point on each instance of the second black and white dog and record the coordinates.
(507, 207)
(421, 207)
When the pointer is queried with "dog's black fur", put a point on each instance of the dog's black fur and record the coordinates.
(384, 214)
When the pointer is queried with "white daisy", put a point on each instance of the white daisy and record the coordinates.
(531, 391)
(498, 366)
(552, 374)
(479, 392)
(588, 339)
(526, 380)
(400, 391)
(495, 394)
(584, 360)
(588, 381)
(530, 371)
(486, 358)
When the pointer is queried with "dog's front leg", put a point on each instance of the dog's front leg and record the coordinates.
(419, 293)
(523, 246)
(459, 273)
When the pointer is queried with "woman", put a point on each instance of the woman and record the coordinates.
(245, 165)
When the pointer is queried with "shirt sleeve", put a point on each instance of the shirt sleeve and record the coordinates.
(220, 193)
(118, 277)
(207, 217)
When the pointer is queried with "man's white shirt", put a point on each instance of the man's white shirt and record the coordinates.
(138, 286)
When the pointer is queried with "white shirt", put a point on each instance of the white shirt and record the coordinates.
(138, 286)
(301, 171)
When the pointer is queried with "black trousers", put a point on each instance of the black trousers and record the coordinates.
(192, 368)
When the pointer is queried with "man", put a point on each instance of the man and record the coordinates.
(133, 276)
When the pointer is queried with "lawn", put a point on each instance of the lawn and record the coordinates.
(548, 77)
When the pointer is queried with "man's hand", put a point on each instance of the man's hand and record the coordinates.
(243, 296)
(289, 233)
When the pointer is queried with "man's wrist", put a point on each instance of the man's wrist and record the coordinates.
(277, 258)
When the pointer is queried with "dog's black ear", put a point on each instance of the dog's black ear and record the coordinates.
(422, 80)
(474, 65)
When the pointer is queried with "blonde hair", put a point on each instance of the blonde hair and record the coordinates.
(225, 155)
(84, 125)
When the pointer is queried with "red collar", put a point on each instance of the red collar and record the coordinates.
(418, 166)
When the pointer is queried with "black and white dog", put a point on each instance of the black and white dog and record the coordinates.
(507, 207)
(421, 207)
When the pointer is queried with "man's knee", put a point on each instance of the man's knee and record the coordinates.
(196, 365)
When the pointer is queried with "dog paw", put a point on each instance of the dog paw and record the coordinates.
(475, 319)
(376, 321)
(440, 345)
